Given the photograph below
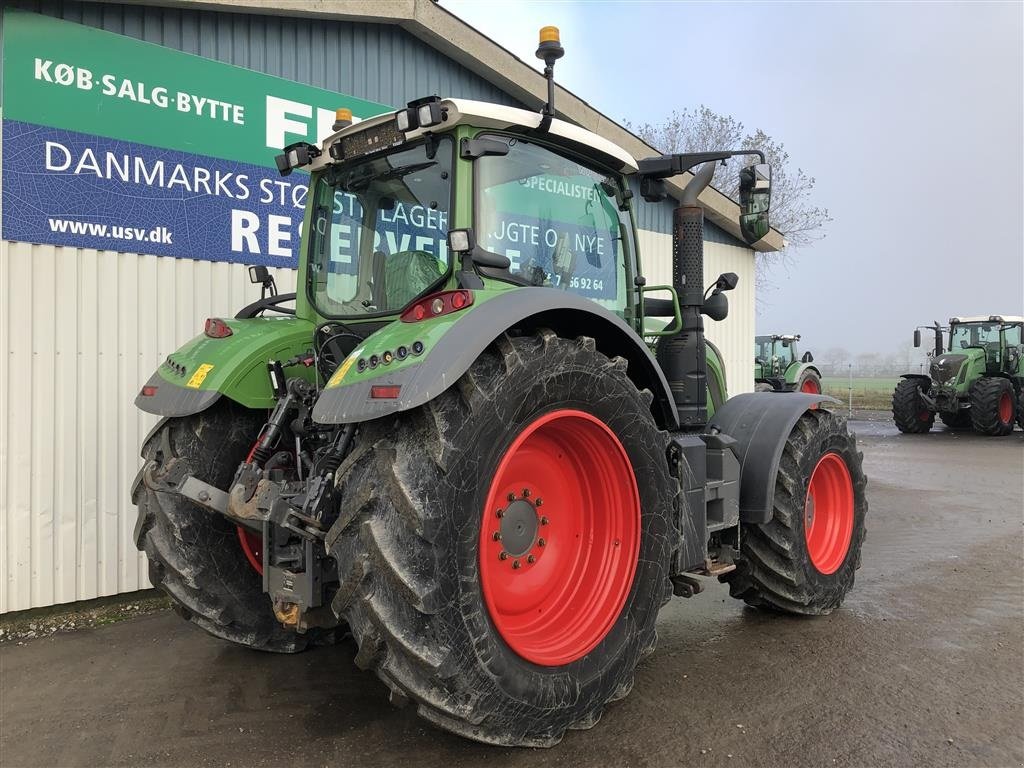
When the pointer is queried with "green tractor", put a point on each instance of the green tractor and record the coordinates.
(776, 368)
(978, 382)
(473, 464)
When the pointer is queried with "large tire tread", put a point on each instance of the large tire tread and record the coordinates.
(908, 408)
(774, 571)
(393, 585)
(194, 555)
(985, 395)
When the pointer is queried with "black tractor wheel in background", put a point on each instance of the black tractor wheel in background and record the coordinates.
(909, 410)
(809, 382)
(959, 420)
(804, 559)
(993, 406)
(503, 551)
(199, 558)
(1020, 409)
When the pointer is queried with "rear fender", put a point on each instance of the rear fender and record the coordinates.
(796, 370)
(760, 422)
(203, 370)
(452, 342)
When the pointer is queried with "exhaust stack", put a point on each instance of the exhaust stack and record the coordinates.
(683, 356)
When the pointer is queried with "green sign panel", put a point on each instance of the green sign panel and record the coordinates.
(113, 143)
(66, 75)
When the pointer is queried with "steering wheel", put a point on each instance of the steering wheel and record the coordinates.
(332, 343)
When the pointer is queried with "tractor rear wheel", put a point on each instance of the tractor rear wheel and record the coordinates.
(503, 551)
(959, 420)
(993, 406)
(803, 560)
(909, 410)
(809, 382)
(199, 558)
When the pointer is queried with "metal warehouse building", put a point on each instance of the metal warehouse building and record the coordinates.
(95, 290)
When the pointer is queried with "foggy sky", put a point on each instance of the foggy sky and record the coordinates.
(910, 117)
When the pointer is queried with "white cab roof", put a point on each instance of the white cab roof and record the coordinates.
(485, 115)
(988, 319)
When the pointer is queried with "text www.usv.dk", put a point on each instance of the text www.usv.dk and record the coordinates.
(160, 235)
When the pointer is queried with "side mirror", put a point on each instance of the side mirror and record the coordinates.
(917, 337)
(726, 282)
(785, 343)
(807, 358)
(260, 275)
(716, 306)
(755, 200)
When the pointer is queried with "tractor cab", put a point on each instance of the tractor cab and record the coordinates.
(777, 368)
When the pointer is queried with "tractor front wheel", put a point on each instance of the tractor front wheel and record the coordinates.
(909, 410)
(200, 559)
(993, 406)
(504, 550)
(803, 560)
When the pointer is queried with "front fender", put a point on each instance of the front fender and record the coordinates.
(452, 342)
(761, 422)
(203, 370)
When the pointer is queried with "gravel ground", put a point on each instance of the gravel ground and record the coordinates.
(923, 665)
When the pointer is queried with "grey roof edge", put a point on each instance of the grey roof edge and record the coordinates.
(447, 33)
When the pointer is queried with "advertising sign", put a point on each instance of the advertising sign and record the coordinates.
(117, 144)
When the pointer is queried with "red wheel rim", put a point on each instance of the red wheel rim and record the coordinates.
(828, 513)
(252, 546)
(558, 563)
(1005, 408)
(810, 386)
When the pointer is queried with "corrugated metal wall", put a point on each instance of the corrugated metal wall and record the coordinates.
(81, 330)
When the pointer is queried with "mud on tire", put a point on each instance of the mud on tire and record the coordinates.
(407, 544)
(775, 569)
(195, 555)
(909, 411)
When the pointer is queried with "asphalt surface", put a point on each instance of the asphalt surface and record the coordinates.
(923, 665)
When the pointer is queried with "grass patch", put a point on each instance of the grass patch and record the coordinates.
(869, 392)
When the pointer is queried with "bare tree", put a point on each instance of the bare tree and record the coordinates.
(793, 210)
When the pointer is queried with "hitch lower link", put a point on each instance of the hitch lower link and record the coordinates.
(292, 518)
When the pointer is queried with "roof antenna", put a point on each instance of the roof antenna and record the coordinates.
(550, 50)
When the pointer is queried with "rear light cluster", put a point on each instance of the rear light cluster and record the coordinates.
(387, 357)
(437, 304)
(216, 328)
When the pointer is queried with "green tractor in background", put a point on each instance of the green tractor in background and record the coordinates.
(473, 463)
(776, 368)
(978, 382)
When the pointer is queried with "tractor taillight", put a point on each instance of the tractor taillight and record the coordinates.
(148, 391)
(385, 391)
(217, 328)
(437, 304)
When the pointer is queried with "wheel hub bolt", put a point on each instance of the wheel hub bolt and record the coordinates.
(516, 564)
(496, 536)
(541, 542)
(526, 493)
(539, 502)
(500, 513)
(531, 559)
(511, 497)
(503, 556)
(543, 521)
